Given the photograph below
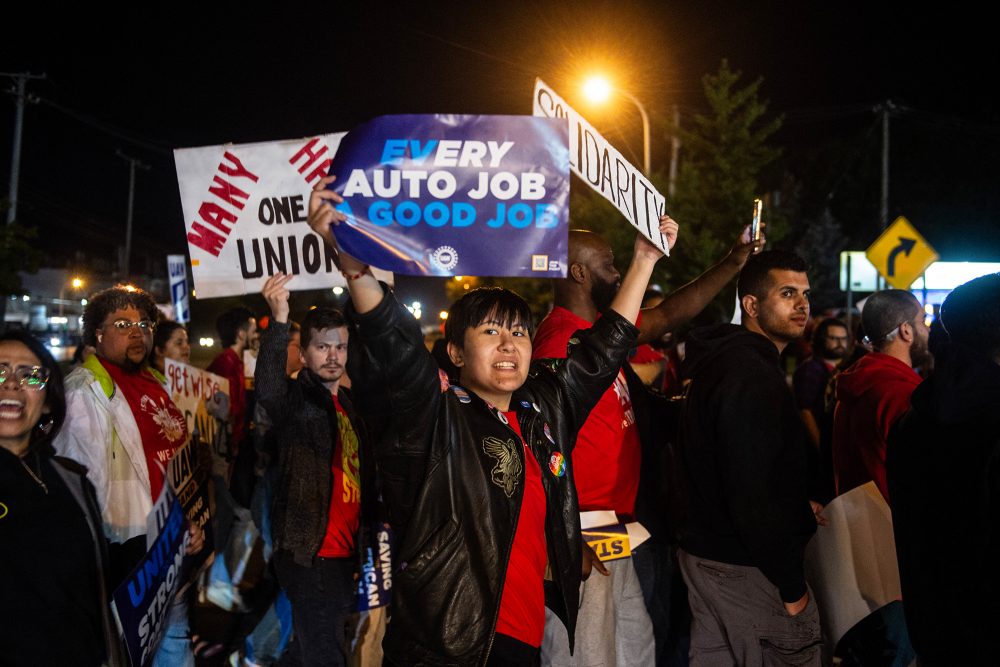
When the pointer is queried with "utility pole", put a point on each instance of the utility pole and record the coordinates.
(20, 96)
(885, 110)
(133, 164)
(884, 211)
(675, 148)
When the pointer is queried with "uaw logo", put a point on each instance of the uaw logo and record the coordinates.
(445, 257)
(508, 468)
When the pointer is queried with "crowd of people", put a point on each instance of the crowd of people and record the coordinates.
(485, 454)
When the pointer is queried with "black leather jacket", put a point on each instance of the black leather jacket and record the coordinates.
(454, 503)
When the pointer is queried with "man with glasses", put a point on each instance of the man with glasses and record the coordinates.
(122, 425)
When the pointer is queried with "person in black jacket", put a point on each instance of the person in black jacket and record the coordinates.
(748, 514)
(477, 477)
(53, 562)
(943, 472)
(317, 504)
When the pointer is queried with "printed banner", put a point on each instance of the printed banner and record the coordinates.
(442, 195)
(246, 208)
(375, 583)
(608, 542)
(142, 603)
(179, 290)
(603, 168)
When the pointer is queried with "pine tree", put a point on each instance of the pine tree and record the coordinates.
(723, 157)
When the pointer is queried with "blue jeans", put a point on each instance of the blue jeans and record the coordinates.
(175, 647)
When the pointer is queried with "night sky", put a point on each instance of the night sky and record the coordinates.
(147, 82)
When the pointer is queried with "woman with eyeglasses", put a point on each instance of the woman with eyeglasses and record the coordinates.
(124, 428)
(52, 566)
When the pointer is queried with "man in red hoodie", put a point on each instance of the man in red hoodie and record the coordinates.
(874, 392)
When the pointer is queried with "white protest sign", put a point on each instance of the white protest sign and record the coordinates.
(245, 210)
(851, 562)
(603, 168)
(195, 392)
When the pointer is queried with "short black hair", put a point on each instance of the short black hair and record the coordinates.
(819, 335)
(971, 314)
(753, 276)
(107, 301)
(316, 320)
(229, 324)
(474, 307)
(884, 311)
(55, 392)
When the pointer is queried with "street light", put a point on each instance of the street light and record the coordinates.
(598, 89)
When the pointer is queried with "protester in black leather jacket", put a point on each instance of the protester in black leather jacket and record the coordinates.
(452, 475)
(457, 525)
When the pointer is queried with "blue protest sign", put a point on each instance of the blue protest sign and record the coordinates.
(441, 195)
(142, 602)
(375, 581)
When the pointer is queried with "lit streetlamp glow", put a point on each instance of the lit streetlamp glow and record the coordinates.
(598, 89)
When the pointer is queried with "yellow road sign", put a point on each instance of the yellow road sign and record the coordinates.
(901, 254)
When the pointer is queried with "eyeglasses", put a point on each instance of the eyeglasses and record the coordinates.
(34, 377)
(123, 325)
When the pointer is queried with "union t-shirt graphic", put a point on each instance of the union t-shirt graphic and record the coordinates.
(350, 463)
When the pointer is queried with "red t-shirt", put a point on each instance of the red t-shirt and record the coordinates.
(161, 425)
(608, 456)
(522, 605)
(345, 497)
(229, 365)
(646, 354)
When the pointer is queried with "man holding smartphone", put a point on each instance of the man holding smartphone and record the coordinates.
(748, 515)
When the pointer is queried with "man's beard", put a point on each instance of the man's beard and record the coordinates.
(835, 354)
(133, 366)
(920, 354)
(602, 294)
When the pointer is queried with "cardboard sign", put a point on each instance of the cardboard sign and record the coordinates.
(601, 166)
(246, 210)
(195, 392)
(442, 195)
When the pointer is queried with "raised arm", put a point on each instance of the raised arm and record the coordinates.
(270, 384)
(366, 293)
(683, 304)
(596, 355)
(629, 298)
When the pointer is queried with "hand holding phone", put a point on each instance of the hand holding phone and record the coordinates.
(758, 210)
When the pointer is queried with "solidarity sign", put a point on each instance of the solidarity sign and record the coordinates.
(441, 195)
(601, 166)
